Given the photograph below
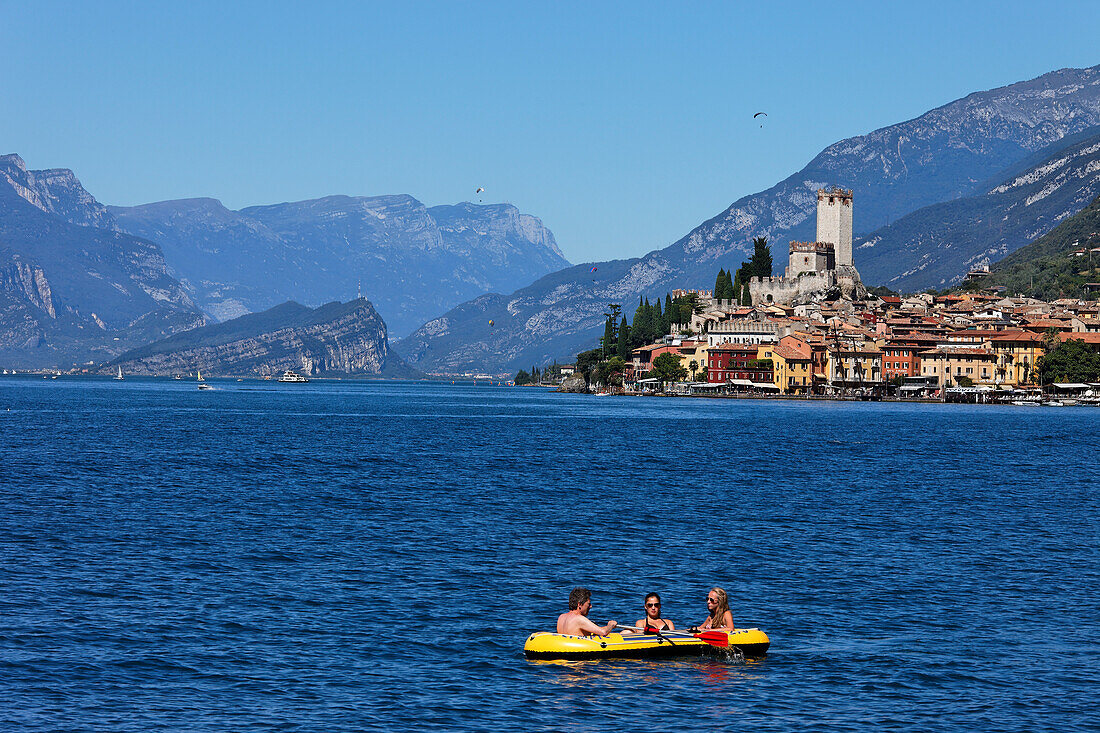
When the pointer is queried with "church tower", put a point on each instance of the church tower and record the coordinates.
(834, 222)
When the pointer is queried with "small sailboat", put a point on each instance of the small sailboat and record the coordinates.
(119, 377)
(202, 382)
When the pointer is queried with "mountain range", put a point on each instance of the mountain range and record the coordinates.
(413, 262)
(947, 153)
(73, 288)
(1063, 263)
(81, 282)
(935, 246)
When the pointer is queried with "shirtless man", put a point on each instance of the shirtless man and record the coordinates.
(576, 621)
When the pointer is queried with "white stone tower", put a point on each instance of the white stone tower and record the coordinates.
(834, 222)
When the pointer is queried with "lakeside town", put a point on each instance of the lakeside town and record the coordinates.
(971, 347)
(817, 331)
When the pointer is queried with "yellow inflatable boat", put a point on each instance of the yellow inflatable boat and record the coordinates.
(544, 645)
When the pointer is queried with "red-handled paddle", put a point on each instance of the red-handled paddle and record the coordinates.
(714, 638)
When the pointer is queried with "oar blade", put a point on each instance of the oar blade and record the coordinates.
(715, 638)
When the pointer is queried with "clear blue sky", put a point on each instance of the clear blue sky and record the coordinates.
(621, 125)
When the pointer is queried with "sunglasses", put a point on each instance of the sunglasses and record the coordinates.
(653, 605)
(712, 600)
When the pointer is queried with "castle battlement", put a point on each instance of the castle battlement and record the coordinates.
(832, 195)
(811, 247)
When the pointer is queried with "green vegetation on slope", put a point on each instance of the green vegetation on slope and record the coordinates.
(1048, 268)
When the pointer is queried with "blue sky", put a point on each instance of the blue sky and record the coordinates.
(621, 125)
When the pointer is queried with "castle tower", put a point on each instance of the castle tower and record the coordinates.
(834, 222)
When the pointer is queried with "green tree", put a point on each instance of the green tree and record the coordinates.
(964, 381)
(641, 326)
(667, 368)
(622, 349)
(610, 372)
(760, 264)
(586, 362)
(720, 284)
(693, 365)
(1070, 361)
(522, 378)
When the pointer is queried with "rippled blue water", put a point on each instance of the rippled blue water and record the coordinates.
(339, 556)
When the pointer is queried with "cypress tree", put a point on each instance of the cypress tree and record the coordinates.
(761, 261)
(634, 323)
(660, 322)
(728, 291)
(606, 343)
(624, 340)
(672, 314)
(720, 283)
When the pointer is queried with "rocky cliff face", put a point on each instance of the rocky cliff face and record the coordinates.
(413, 262)
(55, 191)
(334, 339)
(71, 291)
(936, 246)
(936, 157)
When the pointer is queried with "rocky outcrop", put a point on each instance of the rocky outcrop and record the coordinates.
(411, 261)
(575, 384)
(939, 156)
(334, 339)
(28, 281)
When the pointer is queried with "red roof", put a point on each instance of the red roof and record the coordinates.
(1088, 338)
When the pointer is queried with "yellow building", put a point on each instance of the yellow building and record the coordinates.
(1017, 354)
(694, 350)
(852, 366)
(950, 366)
(792, 372)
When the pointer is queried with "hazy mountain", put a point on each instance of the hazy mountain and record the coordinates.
(941, 155)
(333, 339)
(411, 261)
(69, 291)
(937, 245)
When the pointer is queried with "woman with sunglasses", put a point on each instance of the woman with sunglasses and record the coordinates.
(653, 623)
(719, 608)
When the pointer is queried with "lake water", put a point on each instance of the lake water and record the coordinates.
(340, 557)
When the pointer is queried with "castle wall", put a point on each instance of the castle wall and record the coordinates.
(790, 290)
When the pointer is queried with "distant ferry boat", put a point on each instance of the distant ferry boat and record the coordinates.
(289, 376)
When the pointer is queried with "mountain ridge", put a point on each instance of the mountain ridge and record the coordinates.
(935, 246)
(940, 155)
(392, 248)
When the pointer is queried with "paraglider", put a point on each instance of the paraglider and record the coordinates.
(594, 268)
(478, 193)
(758, 114)
(490, 323)
(479, 190)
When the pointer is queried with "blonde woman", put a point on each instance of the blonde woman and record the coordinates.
(718, 606)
